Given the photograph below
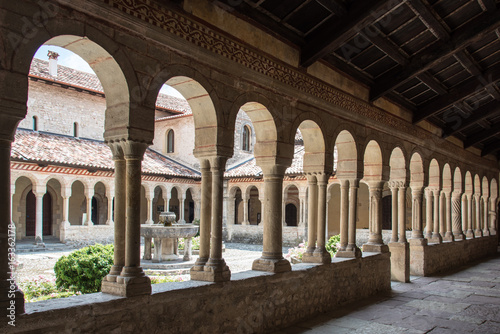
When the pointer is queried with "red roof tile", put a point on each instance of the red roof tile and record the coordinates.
(55, 149)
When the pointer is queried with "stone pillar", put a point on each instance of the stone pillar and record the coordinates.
(486, 230)
(109, 283)
(470, 217)
(39, 217)
(400, 251)
(197, 271)
(428, 216)
(149, 200)
(188, 253)
(344, 214)
(456, 216)
(394, 211)
(436, 236)
(449, 234)
(216, 269)
(493, 217)
(9, 292)
(375, 242)
(416, 210)
(166, 201)
(65, 194)
(302, 211)
(352, 250)
(283, 212)
(109, 221)
(89, 193)
(272, 255)
(245, 211)
(312, 219)
(477, 224)
(182, 212)
(402, 213)
(132, 280)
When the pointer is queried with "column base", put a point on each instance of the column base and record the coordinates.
(486, 233)
(478, 233)
(376, 248)
(459, 236)
(271, 265)
(88, 223)
(449, 237)
(418, 242)
(493, 231)
(436, 238)
(470, 234)
(212, 271)
(114, 272)
(322, 257)
(11, 300)
(400, 261)
(127, 286)
(349, 253)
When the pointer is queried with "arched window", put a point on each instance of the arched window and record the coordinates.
(75, 129)
(170, 141)
(35, 123)
(247, 137)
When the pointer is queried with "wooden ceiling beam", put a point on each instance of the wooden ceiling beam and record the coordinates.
(462, 122)
(482, 136)
(468, 63)
(469, 33)
(432, 83)
(361, 14)
(491, 148)
(458, 93)
(333, 5)
(487, 4)
(425, 12)
(385, 46)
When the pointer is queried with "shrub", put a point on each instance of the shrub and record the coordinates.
(43, 288)
(297, 252)
(195, 245)
(84, 269)
(333, 244)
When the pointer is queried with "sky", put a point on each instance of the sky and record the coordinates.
(72, 60)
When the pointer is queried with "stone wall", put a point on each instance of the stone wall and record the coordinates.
(88, 235)
(430, 259)
(362, 236)
(252, 302)
(253, 234)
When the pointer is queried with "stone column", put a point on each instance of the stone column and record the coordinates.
(312, 219)
(39, 217)
(109, 221)
(89, 193)
(402, 213)
(245, 210)
(400, 251)
(493, 216)
(375, 242)
(486, 230)
(109, 283)
(132, 279)
(477, 224)
(470, 217)
(166, 201)
(283, 212)
(65, 194)
(352, 250)
(436, 235)
(417, 224)
(272, 255)
(456, 216)
(149, 200)
(182, 211)
(428, 216)
(344, 214)
(449, 234)
(394, 211)
(197, 271)
(9, 292)
(302, 211)
(216, 269)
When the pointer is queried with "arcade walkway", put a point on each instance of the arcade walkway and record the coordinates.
(464, 301)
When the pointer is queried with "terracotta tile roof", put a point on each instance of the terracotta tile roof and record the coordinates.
(249, 167)
(46, 148)
(71, 77)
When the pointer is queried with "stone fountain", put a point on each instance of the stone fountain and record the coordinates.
(165, 234)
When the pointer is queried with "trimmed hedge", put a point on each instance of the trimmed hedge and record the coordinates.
(84, 269)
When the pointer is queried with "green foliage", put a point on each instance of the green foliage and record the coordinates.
(84, 269)
(333, 244)
(297, 252)
(165, 279)
(195, 245)
(43, 288)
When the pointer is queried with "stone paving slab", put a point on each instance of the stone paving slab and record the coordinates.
(463, 301)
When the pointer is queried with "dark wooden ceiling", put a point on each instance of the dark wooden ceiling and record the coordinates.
(439, 59)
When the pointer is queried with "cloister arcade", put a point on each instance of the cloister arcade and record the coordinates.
(454, 192)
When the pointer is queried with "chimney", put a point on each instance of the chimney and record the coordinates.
(53, 63)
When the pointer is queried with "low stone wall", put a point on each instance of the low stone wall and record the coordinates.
(253, 234)
(431, 259)
(79, 235)
(252, 302)
(362, 236)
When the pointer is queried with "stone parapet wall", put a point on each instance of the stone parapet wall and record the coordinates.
(253, 234)
(426, 260)
(88, 235)
(252, 302)
(362, 236)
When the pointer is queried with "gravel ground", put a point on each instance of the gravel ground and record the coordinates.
(239, 257)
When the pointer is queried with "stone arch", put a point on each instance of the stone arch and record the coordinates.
(469, 185)
(434, 175)
(316, 156)
(347, 164)
(202, 98)
(372, 162)
(100, 206)
(477, 185)
(485, 187)
(397, 164)
(77, 205)
(417, 172)
(494, 190)
(458, 184)
(447, 178)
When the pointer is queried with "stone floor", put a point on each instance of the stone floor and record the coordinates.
(463, 301)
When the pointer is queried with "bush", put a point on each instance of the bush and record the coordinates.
(297, 252)
(195, 245)
(333, 244)
(84, 269)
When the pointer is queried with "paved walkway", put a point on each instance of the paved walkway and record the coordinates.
(465, 301)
